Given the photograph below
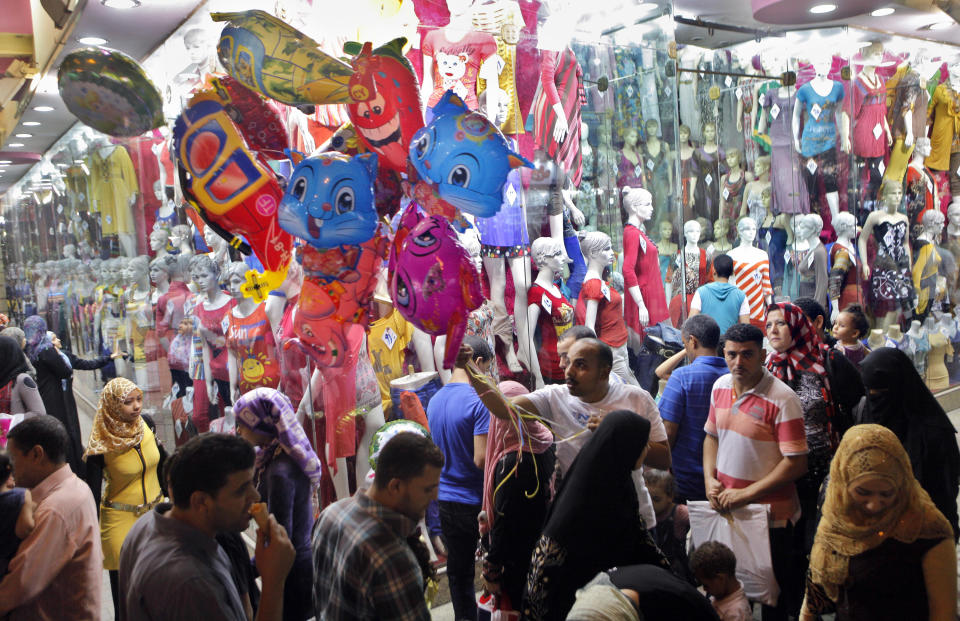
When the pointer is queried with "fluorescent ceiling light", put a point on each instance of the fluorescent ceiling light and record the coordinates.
(823, 8)
(24, 135)
(883, 12)
(6, 161)
(92, 41)
(120, 4)
(15, 145)
(43, 109)
(940, 25)
(31, 123)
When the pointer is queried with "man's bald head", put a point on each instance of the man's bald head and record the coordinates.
(588, 371)
(601, 352)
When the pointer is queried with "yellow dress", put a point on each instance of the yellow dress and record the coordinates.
(944, 108)
(113, 182)
(132, 480)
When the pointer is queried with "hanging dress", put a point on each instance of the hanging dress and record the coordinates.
(891, 284)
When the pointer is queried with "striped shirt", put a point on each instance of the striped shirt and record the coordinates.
(364, 569)
(754, 432)
(754, 280)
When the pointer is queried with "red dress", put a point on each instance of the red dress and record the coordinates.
(868, 110)
(561, 81)
(609, 325)
(251, 340)
(641, 268)
(211, 320)
(556, 316)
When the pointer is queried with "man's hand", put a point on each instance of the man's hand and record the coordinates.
(730, 499)
(714, 489)
(464, 356)
(274, 553)
(491, 587)
(593, 422)
(117, 354)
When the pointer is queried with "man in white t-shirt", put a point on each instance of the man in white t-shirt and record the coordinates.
(575, 408)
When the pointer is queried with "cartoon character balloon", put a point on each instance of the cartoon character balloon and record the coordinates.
(109, 91)
(232, 187)
(387, 111)
(433, 282)
(463, 159)
(329, 200)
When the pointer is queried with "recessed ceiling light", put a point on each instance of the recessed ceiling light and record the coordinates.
(823, 8)
(883, 12)
(92, 41)
(14, 145)
(6, 161)
(31, 123)
(24, 135)
(43, 109)
(120, 4)
(940, 25)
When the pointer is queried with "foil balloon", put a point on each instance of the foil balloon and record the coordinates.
(388, 432)
(259, 122)
(231, 187)
(277, 60)
(433, 282)
(463, 159)
(387, 111)
(329, 200)
(109, 91)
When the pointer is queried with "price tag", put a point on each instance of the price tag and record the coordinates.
(774, 111)
(815, 111)
(881, 168)
(59, 208)
(605, 290)
(630, 91)
(812, 166)
(637, 170)
(726, 194)
(51, 232)
(546, 304)
(178, 426)
(389, 337)
(877, 130)
(738, 92)
(786, 258)
(511, 195)
(930, 183)
(667, 91)
(728, 82)
(650, 164)
(767, 238)
(708, 179)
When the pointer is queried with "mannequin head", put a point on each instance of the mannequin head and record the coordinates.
(923, 148)
(845, 224)
(653, 129)
(603, 135)
(733, 158)
(872, 55)
(638, 202)
(691, 232)
(158, 239)
(69, 251)
(822, 63)
(547, 253)
(761, 166)
(747, 230)
(584, 132)
(235, 277)
(710, 132)
(205, 274)
(213, 240)
(721, 229)
(891, 195)
(180, 235)
(683, 134)
(137, 269)
(706, 228)
(808, 226)
(666, 232)
(953, 213)
(163, 269)
(596, 248)
(631, 138)
(932, 223)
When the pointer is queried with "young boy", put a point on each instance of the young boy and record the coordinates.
(673, 521)
(715, 567)
(850, 329)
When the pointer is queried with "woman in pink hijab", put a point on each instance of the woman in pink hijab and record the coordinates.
(516, 492)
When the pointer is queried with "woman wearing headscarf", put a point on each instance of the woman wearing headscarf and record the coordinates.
(54, 369)
(883, 550)
(18, 391)
(594, 523)
(898, 399)
(286, 473)
(20, 338)
(123, 450)
(516, 491)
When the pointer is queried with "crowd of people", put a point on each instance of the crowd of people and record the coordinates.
(579, 497)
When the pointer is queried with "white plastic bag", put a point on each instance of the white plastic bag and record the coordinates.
(746, 532)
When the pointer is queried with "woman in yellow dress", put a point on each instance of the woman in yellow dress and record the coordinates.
(124, 451)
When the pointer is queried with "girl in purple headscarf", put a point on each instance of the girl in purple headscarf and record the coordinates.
(286, 472)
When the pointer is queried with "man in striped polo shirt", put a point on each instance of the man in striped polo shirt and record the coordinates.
(755, 448)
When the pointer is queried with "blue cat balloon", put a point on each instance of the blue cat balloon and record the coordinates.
(464, 157)
(329, 200)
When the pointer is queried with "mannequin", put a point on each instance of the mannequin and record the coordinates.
(691, 270)
(586, 196)
(139, 321)
(113, 190)
(658, 170)
(819, 107)
(454, 56)
(159, 238)
(786, 181)
(252, 360)
(180, 240)
(599, 307)
(944, 106)
(162, 270)
(952, 245)
(928, 283)
(631, 162)
(219, 249)
(909, 118)
(891, 287)
(876, 339)
(503, 20)
(751, 272)
(806, 275)
(667, 247)
(721, 238)
(608, 194)
(843, 287)
(550, 314)
(732, 186)
(753, 204)
(921, 188)
(894, 337)
(707, 160)
(69, 251)
(941, 349)
(917, 347)
(209, 309)
(688, 171)
(159, 278)
(646, 301)
(871, 136)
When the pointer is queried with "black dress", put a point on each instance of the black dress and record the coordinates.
(55, 383)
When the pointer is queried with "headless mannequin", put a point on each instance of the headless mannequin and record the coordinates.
(632, 165)
(548, 255)
(869, 79)
(711, 201)
(659, 178)
(521, 273)
(846, 227)
(586, 196)
(932, 231)
(876, 339)
(891, 195)
(128, 241)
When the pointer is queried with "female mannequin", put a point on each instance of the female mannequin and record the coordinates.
(928, 284)
(688, 172)
(607, 174)
(820, 110)
(909, 117)
(753, 204)
(894, 337)
(159, 278)
(806, 274)
(168, 309)
(209, 309)
(139, 320)
(751, 272)
(658, 171)
(843, 287)
(871, 136)
(645, 301)
(252, 360)
(952, 245)
(586, 196)
(938, 376)
(921, 188)
(180, 240)
(219, 249)
(732, 186)
(495, 261)
(778, 123)
(691, 270)
(667, 247)
(721, 238)
(945, 111)
(600, 306)
(918, 346)
(708, 162)
(503, 20)
(550, 314)
(631, 161)
(891, 288)
(162, 269)
(159, 238)
(876, 339)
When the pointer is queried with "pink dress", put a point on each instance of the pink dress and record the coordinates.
(868, 110)
(641, 268)
(456, 64)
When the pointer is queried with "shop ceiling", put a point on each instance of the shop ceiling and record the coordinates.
(32, 32)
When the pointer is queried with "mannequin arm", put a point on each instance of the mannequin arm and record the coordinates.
(305, 409)
(232, 367)
(556, 229)
(740, 114)
(533, 315)
(490, 71)
(844, 128)
(208, 373)
(426, 86)
(423, 347)
(590, 319)
(274, 308)
(638, 298)
(820, 267)
(862, 243)
(795, 125)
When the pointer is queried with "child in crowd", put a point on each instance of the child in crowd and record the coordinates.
(715, 567)
(850, 328)
(179, 356)
(673, 521)
(16, 513)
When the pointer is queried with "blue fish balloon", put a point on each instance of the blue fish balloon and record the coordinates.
(329, 200)
(464, 157)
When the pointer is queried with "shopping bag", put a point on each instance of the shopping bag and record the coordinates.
(498, 607)
(746, 532)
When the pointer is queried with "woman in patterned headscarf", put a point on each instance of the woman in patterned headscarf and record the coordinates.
(883, 550)
(123, 449)
(287, 472)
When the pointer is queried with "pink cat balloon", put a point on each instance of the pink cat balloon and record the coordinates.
(433, 282)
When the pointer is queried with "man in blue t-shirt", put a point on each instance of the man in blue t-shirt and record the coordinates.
(458, 423)
(726, 303)
(685, 403)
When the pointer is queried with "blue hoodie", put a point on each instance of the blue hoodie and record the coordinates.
(722, 301)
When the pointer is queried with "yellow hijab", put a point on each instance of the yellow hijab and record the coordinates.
(112, 432)
(869, 451)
